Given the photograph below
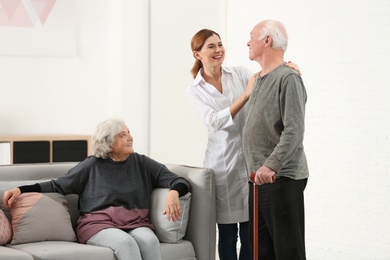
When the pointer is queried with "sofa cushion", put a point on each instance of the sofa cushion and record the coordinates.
(40, 217)
(169, 231)
(13, 254)
(62, 250)
(183, 250)
(5, 229)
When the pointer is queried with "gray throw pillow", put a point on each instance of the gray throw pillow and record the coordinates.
(41, 217)
(168, 231)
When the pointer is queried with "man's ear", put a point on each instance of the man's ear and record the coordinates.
(268, 41)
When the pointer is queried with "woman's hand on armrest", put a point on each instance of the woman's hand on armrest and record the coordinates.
(172, 206)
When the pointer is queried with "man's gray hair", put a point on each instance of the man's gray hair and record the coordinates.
(278, 33)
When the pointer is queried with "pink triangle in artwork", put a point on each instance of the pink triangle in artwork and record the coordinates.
(43, 8)
(16, 14)
(9, 7)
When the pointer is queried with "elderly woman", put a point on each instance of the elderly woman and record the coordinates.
(114, 187)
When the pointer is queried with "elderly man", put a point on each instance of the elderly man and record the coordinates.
(273, 145)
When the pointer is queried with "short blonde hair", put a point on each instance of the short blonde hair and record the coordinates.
(103, 137)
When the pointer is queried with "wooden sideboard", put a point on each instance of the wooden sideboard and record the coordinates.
(43, 149)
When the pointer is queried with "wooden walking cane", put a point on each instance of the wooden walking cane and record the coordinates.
(255, 217)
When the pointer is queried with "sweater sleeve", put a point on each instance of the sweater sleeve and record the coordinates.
(181, 188)
(164, 178)
(292, 108)
(30, 188)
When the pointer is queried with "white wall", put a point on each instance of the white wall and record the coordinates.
(177, 134)
(130, 67)
(70, 94)
(342, 49)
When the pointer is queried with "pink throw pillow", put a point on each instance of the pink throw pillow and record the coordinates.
(5, 229)
(41, 217)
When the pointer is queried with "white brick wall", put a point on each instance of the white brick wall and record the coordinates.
(342, 47)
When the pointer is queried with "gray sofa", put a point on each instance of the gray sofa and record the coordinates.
(198, 243)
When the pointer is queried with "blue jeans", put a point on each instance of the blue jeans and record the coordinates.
(227, 241)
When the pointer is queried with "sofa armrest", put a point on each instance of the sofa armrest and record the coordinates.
(201, 230)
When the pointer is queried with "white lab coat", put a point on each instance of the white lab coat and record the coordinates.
(224, 153)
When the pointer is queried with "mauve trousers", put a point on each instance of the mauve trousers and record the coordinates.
(281, 219)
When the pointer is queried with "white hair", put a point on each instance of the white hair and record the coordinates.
(278, 33)
(103, 137)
